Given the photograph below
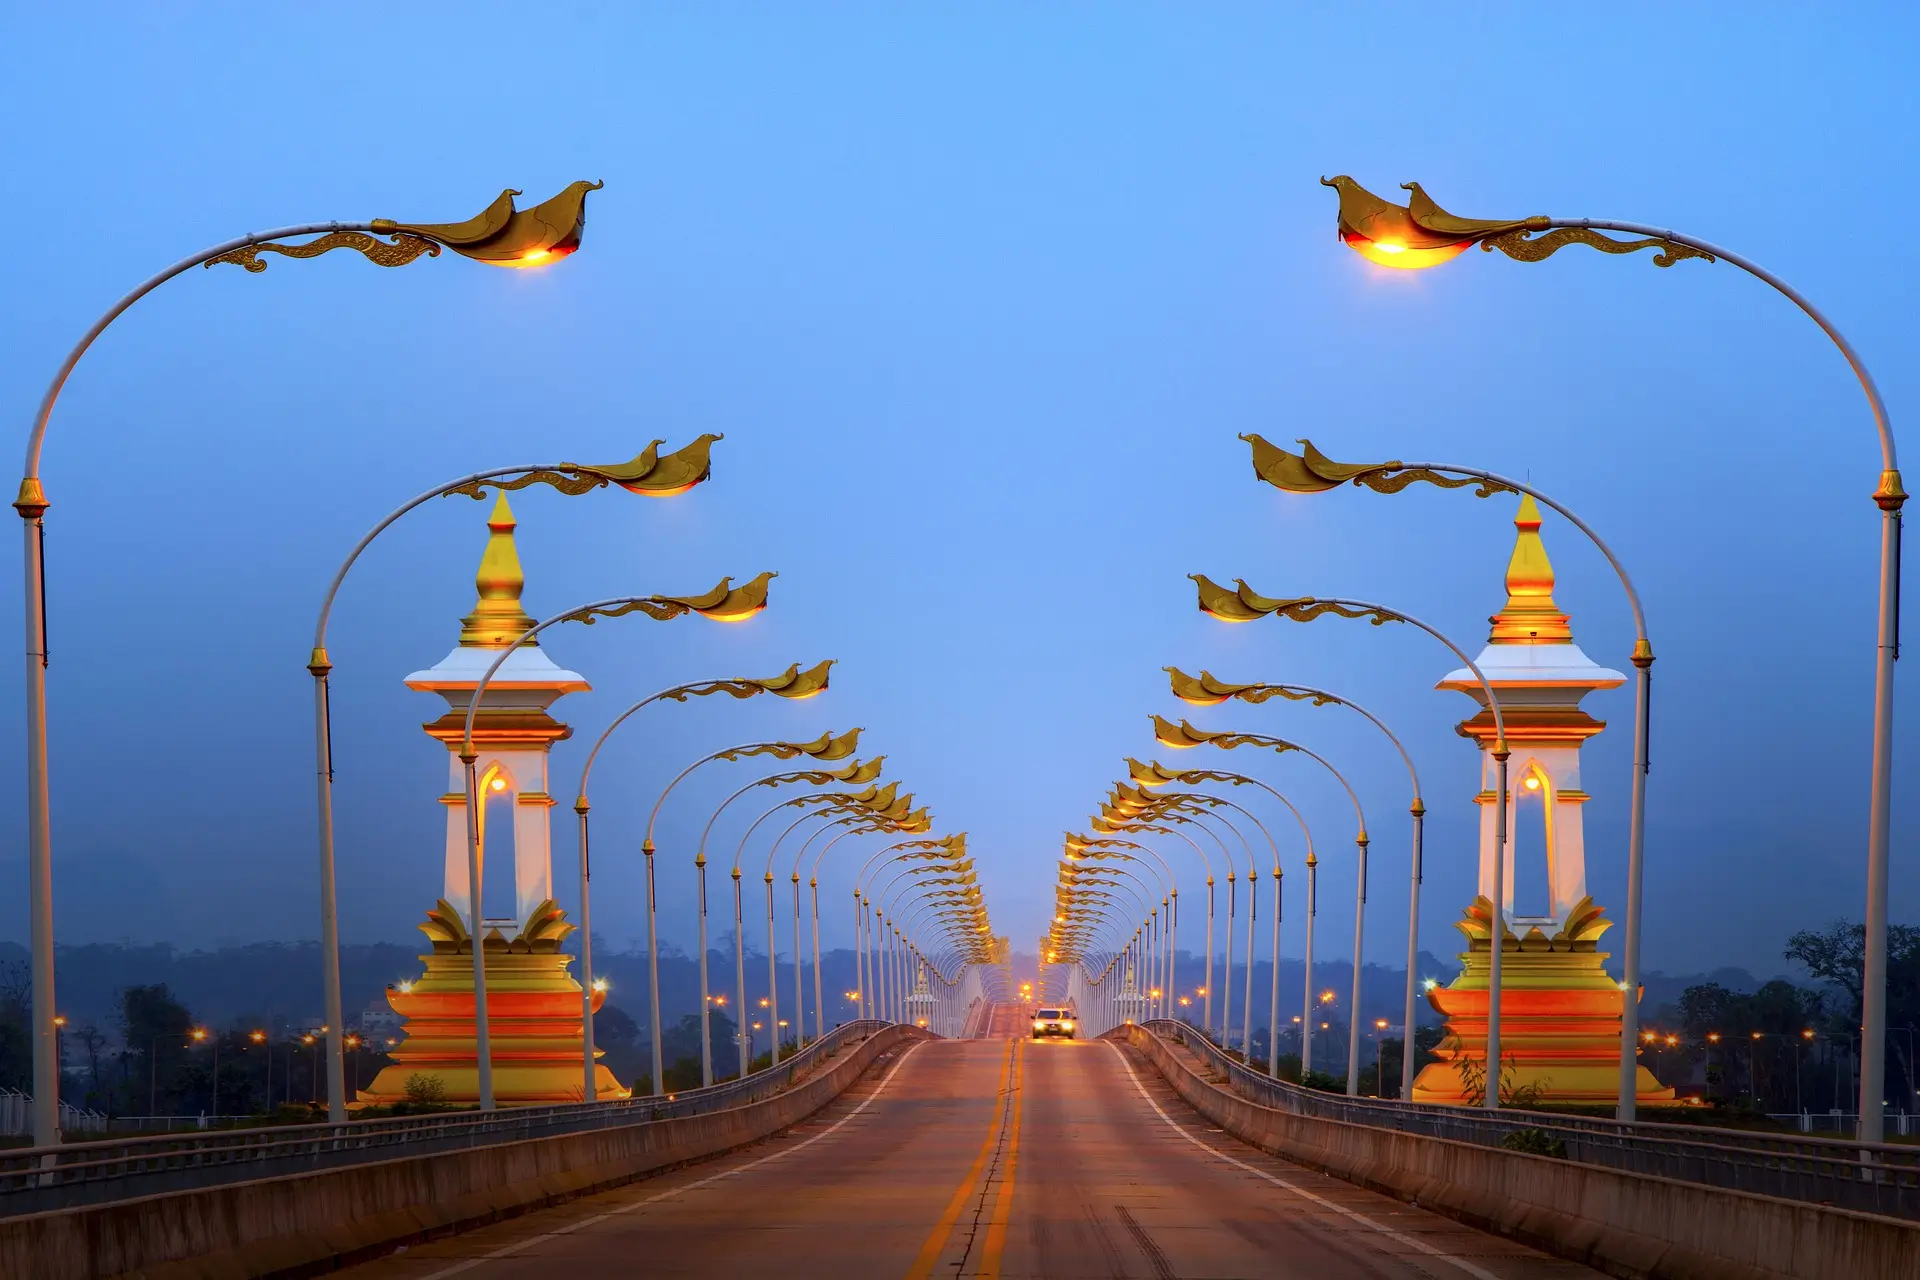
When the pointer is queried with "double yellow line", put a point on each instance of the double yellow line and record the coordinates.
(1006, 1119)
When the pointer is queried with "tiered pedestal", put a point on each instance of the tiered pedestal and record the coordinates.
(534, 1021)
(1559, 1016)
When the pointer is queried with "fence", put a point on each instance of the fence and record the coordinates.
(1872, 1178)
(16, 1116)
(92, 1172)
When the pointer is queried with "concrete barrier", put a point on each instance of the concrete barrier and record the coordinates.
(1625, 1224)
(303, 1224)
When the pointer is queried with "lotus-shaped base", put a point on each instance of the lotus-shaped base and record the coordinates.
(534, 1020)
(1559, 1016)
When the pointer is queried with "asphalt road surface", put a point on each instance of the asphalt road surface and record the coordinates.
(1008, 1157)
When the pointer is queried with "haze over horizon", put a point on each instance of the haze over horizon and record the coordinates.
(981, 300)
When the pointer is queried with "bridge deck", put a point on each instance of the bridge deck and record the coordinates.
(987, 1157)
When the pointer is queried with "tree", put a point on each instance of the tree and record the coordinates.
(16, 1042)
(155, 1028)
(1837, 954)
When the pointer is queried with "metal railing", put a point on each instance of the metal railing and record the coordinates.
(38, 1178)
(16, 1115)
(1869, 1177)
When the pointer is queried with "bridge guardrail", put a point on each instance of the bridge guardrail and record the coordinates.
(36, 1178)
(1871, 1178)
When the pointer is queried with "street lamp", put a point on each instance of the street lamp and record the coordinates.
(858, 771)
(1310, 471)
(724, 603)
(648, 474)
(826, 747)
(1208, 691)
(1184, 735)
(792, 683)
(500, 236)
(1243, 604)
(1156, 774)
(1422, 234)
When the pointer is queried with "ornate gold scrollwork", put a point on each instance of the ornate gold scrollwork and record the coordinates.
(1393, 481)
(658, 608)
(1524, 246)
(402, 249)
(1309, 609)
(571, 483)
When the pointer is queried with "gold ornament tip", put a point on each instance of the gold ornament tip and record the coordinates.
(1889, 495)
(32, 501)
(318, 663)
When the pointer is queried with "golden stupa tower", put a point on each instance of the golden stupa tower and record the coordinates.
(534, 1006)
(1560, 1010)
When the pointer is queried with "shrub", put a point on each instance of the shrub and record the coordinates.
(1535, 1142)
(429, 1090)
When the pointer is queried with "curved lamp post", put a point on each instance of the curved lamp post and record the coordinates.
(858, 771)
(1245, 605)
(1116, 818)
(1157, 775)
(887, 823)
(1312, 472)
(1421, 233)
(1208, 691)
(725, 603)
(1081, 848)
(792, 683)
(501, 236)
(1187, 807)
(954, 845)
(648, 474)
(1143, 814)
(826, 747)
(1155, 943)
(1185, 735)
(1253, 877)
(1167, 939)
(815, 805)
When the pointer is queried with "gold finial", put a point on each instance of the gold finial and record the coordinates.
(1531, 616)
(498, 618)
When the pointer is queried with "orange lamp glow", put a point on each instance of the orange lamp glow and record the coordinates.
(258, 1037)
(1533, 782)
(1401, 256)
(498, 784)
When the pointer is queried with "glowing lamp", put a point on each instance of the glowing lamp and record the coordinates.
(498, 784)
(1400, 255)
(503, 236)
(1533, 782)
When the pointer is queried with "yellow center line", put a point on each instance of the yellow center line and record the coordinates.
(1003, 1207)
(936, 1241)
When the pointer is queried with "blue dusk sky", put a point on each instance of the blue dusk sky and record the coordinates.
(981, 296)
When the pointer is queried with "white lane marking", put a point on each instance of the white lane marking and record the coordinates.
(571, 1227)
(1300, 1191)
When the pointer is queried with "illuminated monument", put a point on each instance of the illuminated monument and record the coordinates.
(1560, 1011)
(533, 1003)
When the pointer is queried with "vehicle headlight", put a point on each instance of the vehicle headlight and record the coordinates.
(1067, 1025)
(1039, 1025)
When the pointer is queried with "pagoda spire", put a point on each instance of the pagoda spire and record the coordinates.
(497, 619)
(1530, 616)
